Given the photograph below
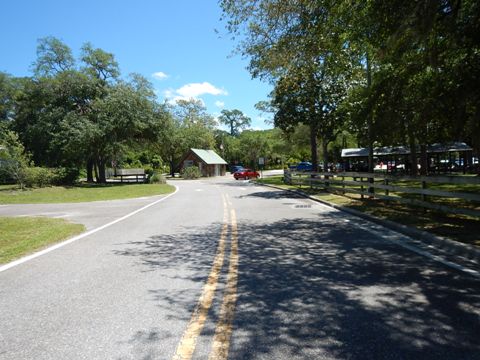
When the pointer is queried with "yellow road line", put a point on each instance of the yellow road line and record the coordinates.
(223, 331)
(188, 342)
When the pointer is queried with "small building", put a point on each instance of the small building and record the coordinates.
(208, 161)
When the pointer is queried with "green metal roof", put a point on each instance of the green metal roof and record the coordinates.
(209, 156)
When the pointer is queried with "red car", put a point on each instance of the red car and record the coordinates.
(246, 174)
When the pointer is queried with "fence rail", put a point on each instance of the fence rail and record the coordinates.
(404, 189)
(127, 175)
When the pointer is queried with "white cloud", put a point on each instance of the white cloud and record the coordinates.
(159, 75)
(194, 90)
(172, 100)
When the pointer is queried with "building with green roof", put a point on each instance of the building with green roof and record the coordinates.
(208, 161)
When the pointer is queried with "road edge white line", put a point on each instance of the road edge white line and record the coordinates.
(81, 236)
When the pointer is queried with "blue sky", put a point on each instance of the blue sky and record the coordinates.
(174, 39)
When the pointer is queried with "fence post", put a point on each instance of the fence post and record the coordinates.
(343, 185)
(387, 192)
(371, 189)
(361, 188)
(287, 177)
(424, 186)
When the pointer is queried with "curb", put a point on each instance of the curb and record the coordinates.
(452, 247)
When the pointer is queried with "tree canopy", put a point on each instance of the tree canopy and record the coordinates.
(235, 120)
(393, 73)
(70, 112)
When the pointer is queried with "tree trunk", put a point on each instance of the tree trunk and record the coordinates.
(325, 154)
(423, 160)
(411, 166)
(314, 147)
(476, 136)
(95, 169)
(369, 119)
(102, 178)
(370, 145)
(172, 168)
(90, 170)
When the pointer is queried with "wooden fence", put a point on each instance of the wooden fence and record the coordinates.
(410, 190)
(127, 175)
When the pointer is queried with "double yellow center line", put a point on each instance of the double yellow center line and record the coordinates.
(223, 331)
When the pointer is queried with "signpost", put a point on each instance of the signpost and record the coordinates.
(261, 162)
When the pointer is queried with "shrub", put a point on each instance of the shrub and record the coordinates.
(149, 171)
(13, 159)
(157, 179)
(39, 177)
(191, 172)
(66, 176)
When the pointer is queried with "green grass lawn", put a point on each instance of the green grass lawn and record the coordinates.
(81, 193)
(453, 226)
(23, 235)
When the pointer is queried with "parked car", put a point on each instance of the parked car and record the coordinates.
(304, 166)
(235, 168)
(246, 174)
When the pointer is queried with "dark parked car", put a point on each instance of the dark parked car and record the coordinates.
(246, 174)
(304, 166)
(234, 168)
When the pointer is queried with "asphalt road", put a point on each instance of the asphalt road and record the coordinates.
(226, 268)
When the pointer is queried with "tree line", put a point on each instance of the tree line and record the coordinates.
(81, 116)
(388, 73)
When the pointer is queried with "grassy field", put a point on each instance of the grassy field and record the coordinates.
(23, 235)
(453, 226)
(82, 193)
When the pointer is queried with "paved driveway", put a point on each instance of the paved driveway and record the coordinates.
(90, 214)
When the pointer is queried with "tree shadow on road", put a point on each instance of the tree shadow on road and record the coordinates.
(332, 291)
(311, 289)
(273, 194)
